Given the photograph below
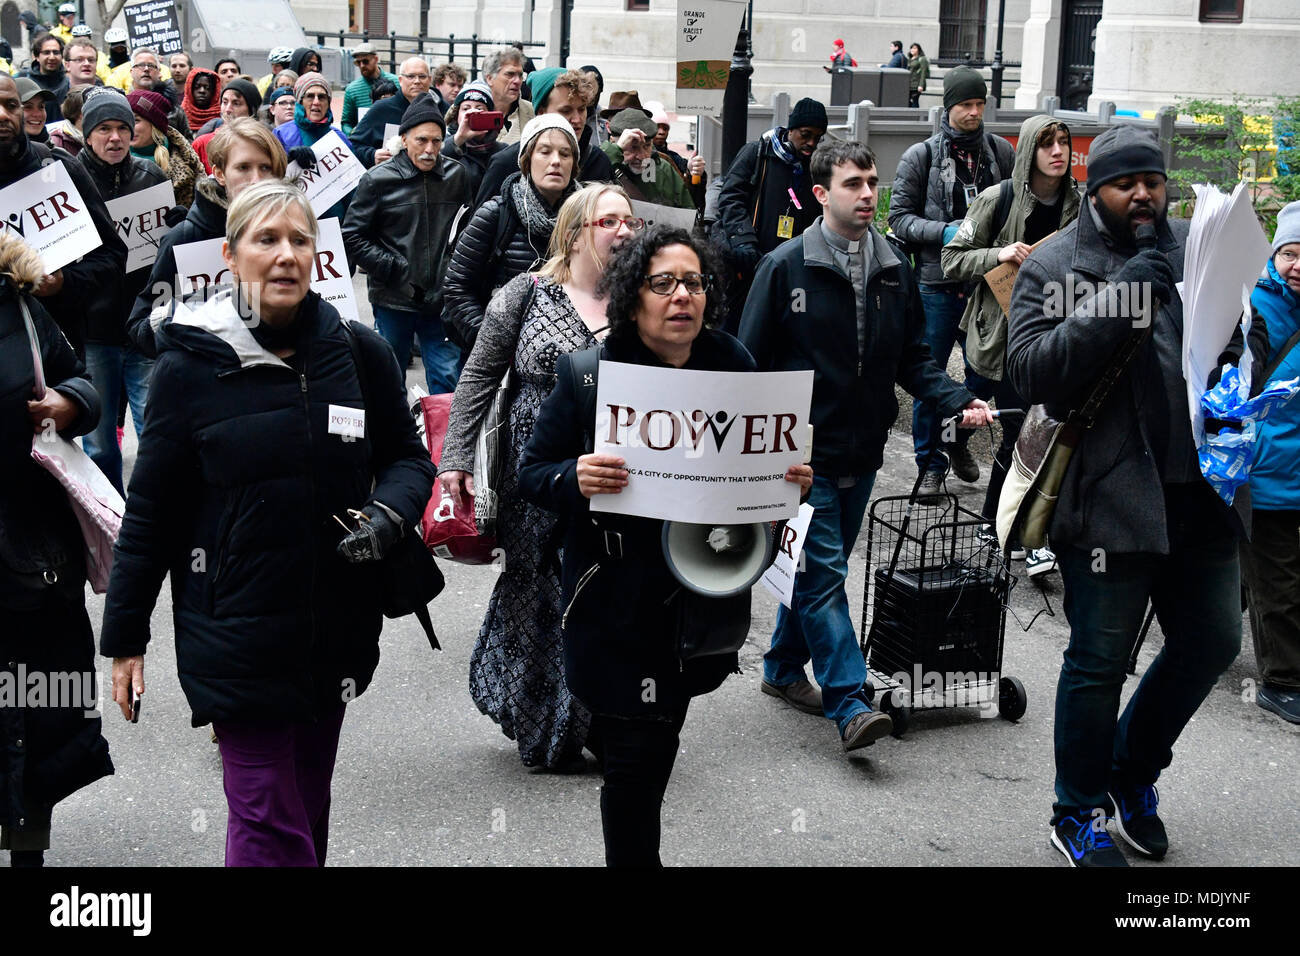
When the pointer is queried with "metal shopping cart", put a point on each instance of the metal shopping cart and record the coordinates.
(934, 610)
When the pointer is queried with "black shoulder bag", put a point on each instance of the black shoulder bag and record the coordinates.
(409, 578)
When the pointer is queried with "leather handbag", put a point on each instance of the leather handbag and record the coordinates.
(408, 577)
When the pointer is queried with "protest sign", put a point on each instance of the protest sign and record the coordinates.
(46, 209)
(138, 219)
(199, 265)
(335, 176)
(390, 130)
(655, 214)
(706, 36)
(1001, 278)
(154, 24)
(779, 578)
(716, 451)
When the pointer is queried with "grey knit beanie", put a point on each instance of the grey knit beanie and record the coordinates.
(1288, 226)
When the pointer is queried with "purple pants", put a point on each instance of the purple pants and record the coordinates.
(277, 782)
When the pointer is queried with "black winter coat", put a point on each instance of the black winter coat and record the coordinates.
(234, 491)
(755, 193)
(397, 228)
(205, 220)
(475, 272)
(924, 202)
(801, 315)
(46, 752)
(594, 168)
(475, 161)
(622, 619)
(368, 135)
(106, 318)
(97, 275)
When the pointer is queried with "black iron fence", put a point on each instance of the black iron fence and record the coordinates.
(393, 48)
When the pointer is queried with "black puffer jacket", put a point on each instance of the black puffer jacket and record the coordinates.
(402, 247)
(623, 614)
(476, 271)
(46, 752)
(206, 220)
(95, 276)
(105, 317)
(234, 492)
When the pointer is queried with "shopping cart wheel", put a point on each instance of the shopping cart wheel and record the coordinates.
(899, 713)
(1012, 699)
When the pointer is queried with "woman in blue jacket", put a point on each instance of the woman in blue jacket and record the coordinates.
(1271, 561)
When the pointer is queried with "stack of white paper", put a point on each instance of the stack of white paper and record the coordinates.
(1226, 252)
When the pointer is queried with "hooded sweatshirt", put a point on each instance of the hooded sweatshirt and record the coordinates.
(974, 250)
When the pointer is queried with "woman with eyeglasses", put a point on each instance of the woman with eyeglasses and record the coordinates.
(510, 233)
(623, 609)
(515, 671)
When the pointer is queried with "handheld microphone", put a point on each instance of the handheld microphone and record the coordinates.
(1146, 236)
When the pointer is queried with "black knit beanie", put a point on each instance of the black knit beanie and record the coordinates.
(422, 110)
(808, 112)
(962, 84)
(1123, 151)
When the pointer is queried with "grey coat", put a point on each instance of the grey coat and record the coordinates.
(1113, 493)
(921, 204)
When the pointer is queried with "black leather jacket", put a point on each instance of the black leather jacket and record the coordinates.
(397, 227)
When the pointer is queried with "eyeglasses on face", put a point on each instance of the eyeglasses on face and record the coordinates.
(1288, 256)
(146, 66)
(635, 223)
(312, 97)
(665, 283)
(83, 59)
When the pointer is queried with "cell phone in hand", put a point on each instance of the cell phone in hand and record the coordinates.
(485, 121)
(135, 704)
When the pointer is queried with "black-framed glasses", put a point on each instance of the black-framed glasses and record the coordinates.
(635, 223)
(665, 283)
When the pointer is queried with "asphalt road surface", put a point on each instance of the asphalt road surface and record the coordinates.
(424, 778)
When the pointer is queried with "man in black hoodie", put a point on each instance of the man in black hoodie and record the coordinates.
(67, 292)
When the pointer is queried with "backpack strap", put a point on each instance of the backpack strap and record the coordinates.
(1281, 356)
(584, 367)
(1006, 193)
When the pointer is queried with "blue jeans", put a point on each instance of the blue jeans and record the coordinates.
(1196, 593)
(442, 359)
(818, 626)
(110, 367)
(943, 311)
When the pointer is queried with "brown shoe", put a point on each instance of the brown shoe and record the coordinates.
(866, 728)
(801, 695)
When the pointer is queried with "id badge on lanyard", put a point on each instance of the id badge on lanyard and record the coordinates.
(785, 224)
(971, 192)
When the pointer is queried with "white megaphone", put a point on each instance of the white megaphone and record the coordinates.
(715, 560)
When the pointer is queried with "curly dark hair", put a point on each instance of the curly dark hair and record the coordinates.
(625, 274)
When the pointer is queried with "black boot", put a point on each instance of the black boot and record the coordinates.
(30, 859)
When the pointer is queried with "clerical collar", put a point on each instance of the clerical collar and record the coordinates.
(851, 246)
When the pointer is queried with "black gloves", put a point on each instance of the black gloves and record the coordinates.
(175, 216)
(376, 533)
(1150, 266)
(303, 156)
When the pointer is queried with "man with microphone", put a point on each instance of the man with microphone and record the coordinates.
(1135, 520)
(839, 301)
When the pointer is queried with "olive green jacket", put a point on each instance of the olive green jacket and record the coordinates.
(974, 251)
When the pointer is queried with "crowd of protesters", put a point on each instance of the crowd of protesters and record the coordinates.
(499, 227)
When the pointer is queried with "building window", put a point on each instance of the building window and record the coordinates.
(1221, 11)
(638, 4)
(961, 29)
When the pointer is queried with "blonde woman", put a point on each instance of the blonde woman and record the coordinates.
(516, 671)
(156, 140)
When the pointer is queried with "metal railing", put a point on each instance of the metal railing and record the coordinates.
(394, 47)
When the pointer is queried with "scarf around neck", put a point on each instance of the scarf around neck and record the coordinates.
(972, 142)
(532, 208)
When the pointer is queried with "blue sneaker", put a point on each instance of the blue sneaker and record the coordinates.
(1086, 842)
(1135, 816)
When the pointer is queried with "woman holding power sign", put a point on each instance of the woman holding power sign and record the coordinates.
(625, 612)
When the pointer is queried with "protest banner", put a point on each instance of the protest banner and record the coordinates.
(655, 214)
(138, 219)
(779, 578)
(154, 24)
(46, 209)
(706, 36)
(716, 451)
(335, 176)
(199, 265)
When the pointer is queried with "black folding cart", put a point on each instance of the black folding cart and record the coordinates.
(934, 610)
